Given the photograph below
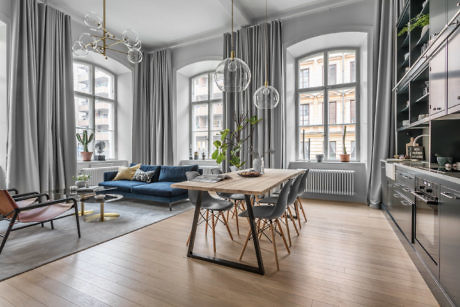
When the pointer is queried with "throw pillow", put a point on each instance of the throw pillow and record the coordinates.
(126, 173)
(140, 175)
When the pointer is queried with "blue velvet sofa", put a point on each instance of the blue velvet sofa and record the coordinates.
(159, 190)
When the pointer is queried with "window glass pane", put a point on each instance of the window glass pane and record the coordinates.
(200, 117)
(311, 142)
(103, 83)
(81, 78)
(105, 138)
(311, 103)
(200, 88)
(217, 112)
(311, 71)
(200, 142)
(342, 105)
(104, 118)
(216, 92)
(82, 112)
(342, 68)
(336, 136)
(332, 150)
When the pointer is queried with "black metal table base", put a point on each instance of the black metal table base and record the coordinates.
(237, 265)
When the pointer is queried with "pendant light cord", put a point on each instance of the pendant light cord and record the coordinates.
(232, 52)
(266, 43)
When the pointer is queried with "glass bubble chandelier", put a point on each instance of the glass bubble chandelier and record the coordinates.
(266, 96)
(100, 40)
(232, 74)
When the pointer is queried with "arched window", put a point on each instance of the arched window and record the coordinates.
(95, 105)
(327, 93)
(206, 113)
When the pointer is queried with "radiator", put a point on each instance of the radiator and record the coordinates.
(97, 173)
(331, 181)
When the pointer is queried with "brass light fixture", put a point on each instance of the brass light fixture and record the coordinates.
(232, 74)
(266, 96)
(101, 40)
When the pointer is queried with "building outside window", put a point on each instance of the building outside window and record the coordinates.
(304, 77)
(331, 98)
(207, 114)
(95, 105)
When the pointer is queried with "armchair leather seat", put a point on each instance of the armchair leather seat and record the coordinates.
(43, 214)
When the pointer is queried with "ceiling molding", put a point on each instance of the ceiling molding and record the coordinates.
(316, 7)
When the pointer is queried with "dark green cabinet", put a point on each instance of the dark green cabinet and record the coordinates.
(453, 70)
(438, 16)
(449, 207)
(452, 8)
(438, 83)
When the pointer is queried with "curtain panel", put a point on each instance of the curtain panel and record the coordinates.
(382, 133)
(41, 134)
(153, 112)
(250, 47)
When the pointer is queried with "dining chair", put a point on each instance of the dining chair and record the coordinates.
(210, 205)
(31, 211)
(301, 190)
(291, 200)
(238, 201)
(270, 215)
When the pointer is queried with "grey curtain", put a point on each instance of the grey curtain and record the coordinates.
(41, 136)
(382, 133)
(152, 113)
(250, 47)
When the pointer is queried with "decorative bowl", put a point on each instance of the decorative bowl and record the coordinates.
(249, 173)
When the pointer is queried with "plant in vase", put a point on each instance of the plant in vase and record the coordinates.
(345, 157)
(419, 21)
(234, 141)
(81, 181)
(85, 140)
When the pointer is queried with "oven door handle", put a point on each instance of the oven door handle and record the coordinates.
(425, 200)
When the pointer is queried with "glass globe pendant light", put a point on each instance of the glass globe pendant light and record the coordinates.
(266, 96)
(232, 74)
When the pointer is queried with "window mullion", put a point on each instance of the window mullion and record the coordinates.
(326, 106)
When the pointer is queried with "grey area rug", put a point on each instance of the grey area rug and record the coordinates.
(32, 247)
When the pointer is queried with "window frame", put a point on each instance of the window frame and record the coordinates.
(92, 97)
(326, 88)
(209, 103)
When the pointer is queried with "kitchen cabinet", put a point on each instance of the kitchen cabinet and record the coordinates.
(452, 8)
(449, 207)
(438, 83)
(438, 16)
(401, 211)
(453, 70)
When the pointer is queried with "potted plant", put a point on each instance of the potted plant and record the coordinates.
(85, 140)
(345, 157)
(81, 181)
(234, 141)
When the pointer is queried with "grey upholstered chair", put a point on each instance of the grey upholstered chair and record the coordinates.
(270, 214)
(291, 200)
(211, 205)
(238, 200)
(301, 190)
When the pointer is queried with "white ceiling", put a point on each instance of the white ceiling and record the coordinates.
(167, 22)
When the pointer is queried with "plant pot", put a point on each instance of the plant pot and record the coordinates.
(86, 156)
(81, 184)
(345, 158)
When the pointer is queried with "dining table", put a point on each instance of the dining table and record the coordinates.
(251, 187)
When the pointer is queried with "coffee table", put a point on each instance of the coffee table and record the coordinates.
(93, 195)
(102, 199)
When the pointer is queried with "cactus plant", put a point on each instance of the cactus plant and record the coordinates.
(343, 140)
(84, 139)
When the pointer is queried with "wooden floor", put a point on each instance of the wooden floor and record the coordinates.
(346, 255)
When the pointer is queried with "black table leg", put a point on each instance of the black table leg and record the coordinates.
(232, 264)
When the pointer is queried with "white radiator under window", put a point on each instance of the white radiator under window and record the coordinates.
(331, 181)
(97, 173)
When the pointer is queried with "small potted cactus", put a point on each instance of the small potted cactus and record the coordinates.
(345, 157)
(85, 140)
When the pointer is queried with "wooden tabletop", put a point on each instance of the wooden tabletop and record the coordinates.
(242, 185)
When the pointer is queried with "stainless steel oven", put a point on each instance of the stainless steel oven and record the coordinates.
(427, 221)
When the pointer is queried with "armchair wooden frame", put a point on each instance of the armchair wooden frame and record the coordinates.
(13, 216)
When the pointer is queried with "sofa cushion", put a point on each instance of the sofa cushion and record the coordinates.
(108, 176)
(126, 173)
(146, 177)
(150, 168)
(122, 185)
(163, 189)
(175, 173)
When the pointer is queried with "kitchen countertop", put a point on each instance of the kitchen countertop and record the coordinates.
(424, 167)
